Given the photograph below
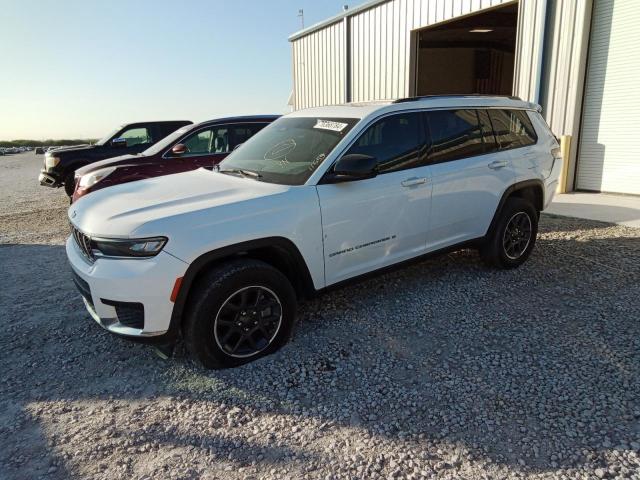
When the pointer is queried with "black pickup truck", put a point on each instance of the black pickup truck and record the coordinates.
(60, 164)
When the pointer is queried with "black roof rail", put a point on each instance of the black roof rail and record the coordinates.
(453, 95)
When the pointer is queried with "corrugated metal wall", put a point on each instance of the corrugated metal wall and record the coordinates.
(319, 67)
(566, 48)
(564, 64)
(380, 51)
(381, 42)
(528, 49)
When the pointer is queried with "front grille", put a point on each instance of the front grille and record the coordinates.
(84, 243)
(130, 314)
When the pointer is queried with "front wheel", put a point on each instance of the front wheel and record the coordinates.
(238, 312)
(513, 237)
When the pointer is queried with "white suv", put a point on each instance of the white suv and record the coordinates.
(319, 197)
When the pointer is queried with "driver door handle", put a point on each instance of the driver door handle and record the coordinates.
(414, 181)
(497, 164)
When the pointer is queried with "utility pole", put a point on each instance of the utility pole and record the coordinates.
(301, 15)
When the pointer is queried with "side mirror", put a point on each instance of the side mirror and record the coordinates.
(119, 142)
(179, 149)
(354, 167)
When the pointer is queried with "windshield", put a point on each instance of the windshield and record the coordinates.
(167, 141)
(289, 150)
(104, 140)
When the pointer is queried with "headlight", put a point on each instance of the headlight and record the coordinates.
(50, 161)
(92, 178)
(139, 247)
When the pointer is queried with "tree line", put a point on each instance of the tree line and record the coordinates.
(44, 143)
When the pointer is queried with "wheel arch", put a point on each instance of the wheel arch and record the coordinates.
(279, 252)
(532, 190)
(71, 166)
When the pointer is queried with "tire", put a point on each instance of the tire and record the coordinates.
(510, 249)
(215, 312)
(69, 184)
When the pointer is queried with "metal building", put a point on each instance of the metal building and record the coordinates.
(579, 59)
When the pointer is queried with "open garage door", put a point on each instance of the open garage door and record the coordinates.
(474, 54)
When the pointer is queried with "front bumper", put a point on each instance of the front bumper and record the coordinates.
(48, 180)
(107, 283)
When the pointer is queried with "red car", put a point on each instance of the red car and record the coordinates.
(201, 145)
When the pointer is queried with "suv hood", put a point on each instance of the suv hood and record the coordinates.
(118, 211)
(107, 162)
(74, 148)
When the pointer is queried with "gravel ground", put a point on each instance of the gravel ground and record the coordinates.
(445, 369)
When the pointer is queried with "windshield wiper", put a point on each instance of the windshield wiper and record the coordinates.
(241, 171)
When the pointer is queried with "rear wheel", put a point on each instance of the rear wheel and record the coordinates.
(239, 311)
(513, 237)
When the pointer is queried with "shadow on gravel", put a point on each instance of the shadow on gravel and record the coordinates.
(551, 222)
(534, 369)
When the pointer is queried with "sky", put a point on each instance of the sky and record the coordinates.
(78, 69)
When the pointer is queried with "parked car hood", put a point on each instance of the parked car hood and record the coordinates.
(120, 210)
(107, 162)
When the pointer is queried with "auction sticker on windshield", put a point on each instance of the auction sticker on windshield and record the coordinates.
(329, 125)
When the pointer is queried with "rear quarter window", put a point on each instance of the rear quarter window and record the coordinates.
(512, 128)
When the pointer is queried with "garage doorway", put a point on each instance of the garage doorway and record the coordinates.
(474, 54)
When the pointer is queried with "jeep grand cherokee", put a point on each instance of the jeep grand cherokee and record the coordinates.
(320, 196)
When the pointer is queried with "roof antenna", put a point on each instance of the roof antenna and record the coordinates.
(301, 15)
(345, 8)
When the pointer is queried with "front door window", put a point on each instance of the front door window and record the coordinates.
(206, 142)
(137, 136)
(395, 141)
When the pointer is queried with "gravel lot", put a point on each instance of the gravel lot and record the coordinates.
(445, 369)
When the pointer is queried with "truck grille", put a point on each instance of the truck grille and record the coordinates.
(84, 243)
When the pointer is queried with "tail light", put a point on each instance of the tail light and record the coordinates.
(556, 153)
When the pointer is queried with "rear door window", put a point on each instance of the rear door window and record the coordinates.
(395, 141)
(220, 142)
(241, 133)
(513, 128)
(454, 134)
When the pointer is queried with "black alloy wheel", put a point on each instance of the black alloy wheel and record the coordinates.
(517, 235)
(248, 321)
(238, 311)
(511, 239)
